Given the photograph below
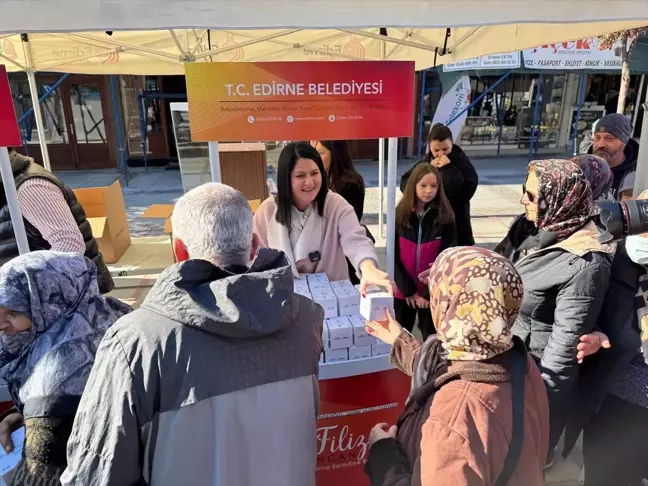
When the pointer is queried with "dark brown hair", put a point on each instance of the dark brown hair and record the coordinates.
(439, 132)
(288, 158)
(341, 170)
(408, 201)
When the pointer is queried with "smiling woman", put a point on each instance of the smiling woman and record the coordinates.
(313, 226)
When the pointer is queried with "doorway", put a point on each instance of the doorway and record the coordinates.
(75, 119)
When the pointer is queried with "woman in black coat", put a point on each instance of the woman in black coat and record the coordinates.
(460, 178)
(343, 179)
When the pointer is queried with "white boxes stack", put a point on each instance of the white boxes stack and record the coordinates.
(345, 337)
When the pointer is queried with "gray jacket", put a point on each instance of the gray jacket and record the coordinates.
(212, 382)
(564, 288)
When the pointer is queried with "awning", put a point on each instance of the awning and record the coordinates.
(164, 51)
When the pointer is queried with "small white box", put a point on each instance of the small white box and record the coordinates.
(336, 355)
(326, 343)
(345, 284)
(301, 287)
(373, 306)
(348, 300)
(327, 300)
(340, 332)
(380, 349)
(318, 281)
(360, 335)
(359, 352)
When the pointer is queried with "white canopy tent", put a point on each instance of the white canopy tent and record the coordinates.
(158, 36)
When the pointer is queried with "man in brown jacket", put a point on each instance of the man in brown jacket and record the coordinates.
(459, 426)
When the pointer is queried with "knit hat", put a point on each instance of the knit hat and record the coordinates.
(617, 125)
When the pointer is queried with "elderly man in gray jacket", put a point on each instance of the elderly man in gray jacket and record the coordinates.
(212, 382)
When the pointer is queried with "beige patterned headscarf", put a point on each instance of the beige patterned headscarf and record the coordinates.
(475, 296)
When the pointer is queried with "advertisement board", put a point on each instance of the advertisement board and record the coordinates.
(349, 408)
(579, 54)
(503, 60)
(267, 101)
(9, 132)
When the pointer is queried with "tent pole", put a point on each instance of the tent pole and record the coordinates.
(214, 162)
(381, 186)
(392, 166)
(143, 129)
(381, 167)
(12, 201)
(33, 89)
(31, 78)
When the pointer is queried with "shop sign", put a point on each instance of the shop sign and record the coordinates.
(454, 103)
(269, 101)
(9, 132)
(503, 60)
(579, 54)
(349, 408)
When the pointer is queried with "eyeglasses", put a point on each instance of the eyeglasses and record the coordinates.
(530, 197)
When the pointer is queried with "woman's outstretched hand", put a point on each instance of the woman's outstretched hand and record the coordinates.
(591, 343)
(387, 331)
(372, 275)
(424, 276)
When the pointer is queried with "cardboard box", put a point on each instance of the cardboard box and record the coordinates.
(373, 306)
(336, 355)
(317, 281)
(164, 211)
(360, 335)
(327, 300)
(106, 213)
(380, 349)
(359, 352)
(348, 300)
(340, 332)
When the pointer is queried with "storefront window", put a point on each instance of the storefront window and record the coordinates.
(511, 107)
(51, 108)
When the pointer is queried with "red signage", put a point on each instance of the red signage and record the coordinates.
(9, 132)
(349, 408)
(321, 100)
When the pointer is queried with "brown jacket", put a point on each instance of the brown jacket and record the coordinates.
(460, 435)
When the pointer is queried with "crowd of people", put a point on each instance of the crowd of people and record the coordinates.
(213, 379)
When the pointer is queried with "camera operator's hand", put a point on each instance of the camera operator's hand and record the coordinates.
(591, 343)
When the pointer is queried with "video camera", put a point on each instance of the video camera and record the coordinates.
(621, 219)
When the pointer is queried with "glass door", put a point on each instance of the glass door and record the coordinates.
(89, 132)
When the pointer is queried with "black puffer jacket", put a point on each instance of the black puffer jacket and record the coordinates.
(618, 320)
(564, 287)
(24, 169)
(460, 182)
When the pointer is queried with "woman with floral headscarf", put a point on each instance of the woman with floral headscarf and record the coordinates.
(599, 175)
(52, 319)
(565, 271)
(477, 413)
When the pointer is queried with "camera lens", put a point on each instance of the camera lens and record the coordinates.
(636, 216)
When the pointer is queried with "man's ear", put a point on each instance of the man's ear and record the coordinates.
(254, 248)
(180, 250)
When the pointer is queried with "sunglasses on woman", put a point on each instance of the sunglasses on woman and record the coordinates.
(530, 197)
